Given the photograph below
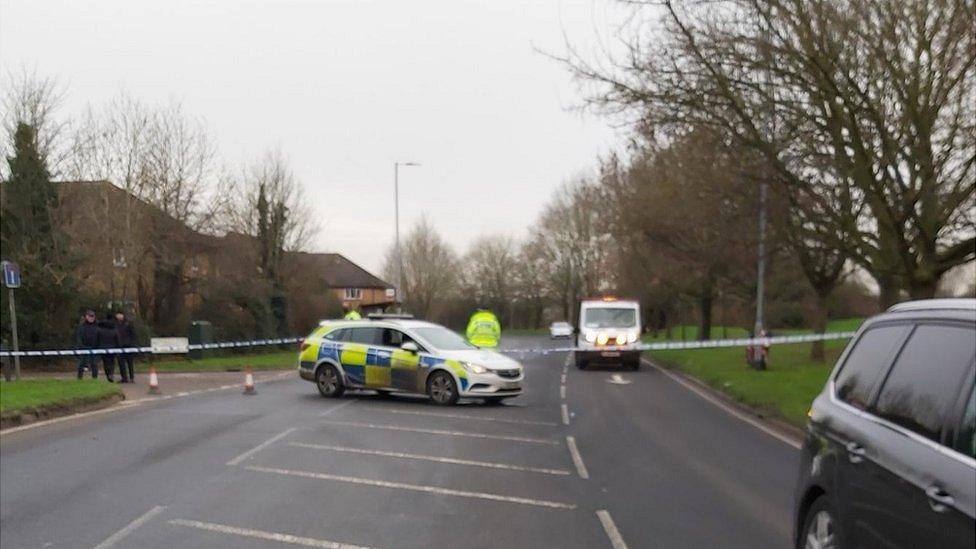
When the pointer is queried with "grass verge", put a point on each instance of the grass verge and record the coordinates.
(46, 396)
(277, 360)
(785, 390)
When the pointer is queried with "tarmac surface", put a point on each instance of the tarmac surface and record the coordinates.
(594, 458)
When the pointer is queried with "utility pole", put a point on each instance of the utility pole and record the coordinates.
(761, 262)
(396, 221)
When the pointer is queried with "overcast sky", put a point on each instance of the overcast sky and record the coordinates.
(345, 89)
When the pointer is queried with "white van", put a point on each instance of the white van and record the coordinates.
(609, 332)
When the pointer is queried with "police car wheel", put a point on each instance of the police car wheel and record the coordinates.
(441, 389)
(328, 381)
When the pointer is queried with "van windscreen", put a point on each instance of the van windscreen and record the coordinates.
(606, 317)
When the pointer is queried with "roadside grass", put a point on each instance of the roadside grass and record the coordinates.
(785, 390)
(38, 395)
(273, 360)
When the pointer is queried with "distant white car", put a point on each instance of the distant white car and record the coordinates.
(560, 329)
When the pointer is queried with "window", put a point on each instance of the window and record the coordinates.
(354, 293)
(605, 317)
(366, 336)
(444, 339)
(867, 362)
(966, 436)
(341, 334)
(925, 379)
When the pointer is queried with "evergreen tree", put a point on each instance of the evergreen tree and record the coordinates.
(30, 235)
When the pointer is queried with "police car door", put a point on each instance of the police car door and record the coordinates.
(404, 365)
(363, 361)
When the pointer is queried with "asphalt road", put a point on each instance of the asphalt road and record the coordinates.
(647, 463)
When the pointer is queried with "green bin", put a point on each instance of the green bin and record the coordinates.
(201, 331)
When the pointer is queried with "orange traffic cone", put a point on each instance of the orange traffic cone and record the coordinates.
(153, 381)
(249, 382)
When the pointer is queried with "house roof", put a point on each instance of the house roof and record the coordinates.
(340, 272)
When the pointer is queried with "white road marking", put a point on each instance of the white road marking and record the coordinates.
(417, 488)
(563, 379)
(577, 458)
(442, 432)
(260, 447)
(616, 540)
(336, 407)
(565, 412)
(729, 409)
(618, 379)
(261, 534)
(129, 528)
(401, 455)
(464, 416)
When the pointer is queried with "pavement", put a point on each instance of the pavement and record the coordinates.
(581, 459)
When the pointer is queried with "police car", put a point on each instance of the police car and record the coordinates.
(397, 354)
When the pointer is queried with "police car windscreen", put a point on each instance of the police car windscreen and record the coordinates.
(609, 318)
(444, 339)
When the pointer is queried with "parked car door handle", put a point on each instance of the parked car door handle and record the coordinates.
(939, 499)
(855, 452)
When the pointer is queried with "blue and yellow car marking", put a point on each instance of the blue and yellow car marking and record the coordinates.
(378, 367)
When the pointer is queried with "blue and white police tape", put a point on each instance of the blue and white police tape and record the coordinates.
(656, 346)
(706, 344)
(157, 349)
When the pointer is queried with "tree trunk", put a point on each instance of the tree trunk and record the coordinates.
(819, 325)
(705, 320)
(924, 289)
(889, 292)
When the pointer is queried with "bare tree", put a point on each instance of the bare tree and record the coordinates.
(872, 103)
(489, 268)
(573, 239)
(430, 270)
(35, 100)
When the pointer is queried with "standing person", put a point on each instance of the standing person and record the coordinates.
(108, 338)
(484, 330)
(351, 313)
(86, 338)
(127, 338)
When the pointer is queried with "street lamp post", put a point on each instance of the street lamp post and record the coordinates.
(396, 221)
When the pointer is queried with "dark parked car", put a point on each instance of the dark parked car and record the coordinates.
(889, 458)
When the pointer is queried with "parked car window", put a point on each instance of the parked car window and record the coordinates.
(926, 377)
(866, 363)
(966, 436)
(366, 336)
(341, 334)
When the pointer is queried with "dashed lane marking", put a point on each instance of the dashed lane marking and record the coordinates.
(437, 459)
(336, 407)
(562, 392)
(443, 432)
(563, 379)
(616, 540)
(463, 416)
(565, 412)
(417, 488)
(577, 458)
(262, 535)
(260, 447)
(129, 528)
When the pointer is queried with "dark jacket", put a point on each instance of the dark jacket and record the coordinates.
(86, 335)
(127, 333)
(108, 337)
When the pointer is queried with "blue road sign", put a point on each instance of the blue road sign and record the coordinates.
(11, 274)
